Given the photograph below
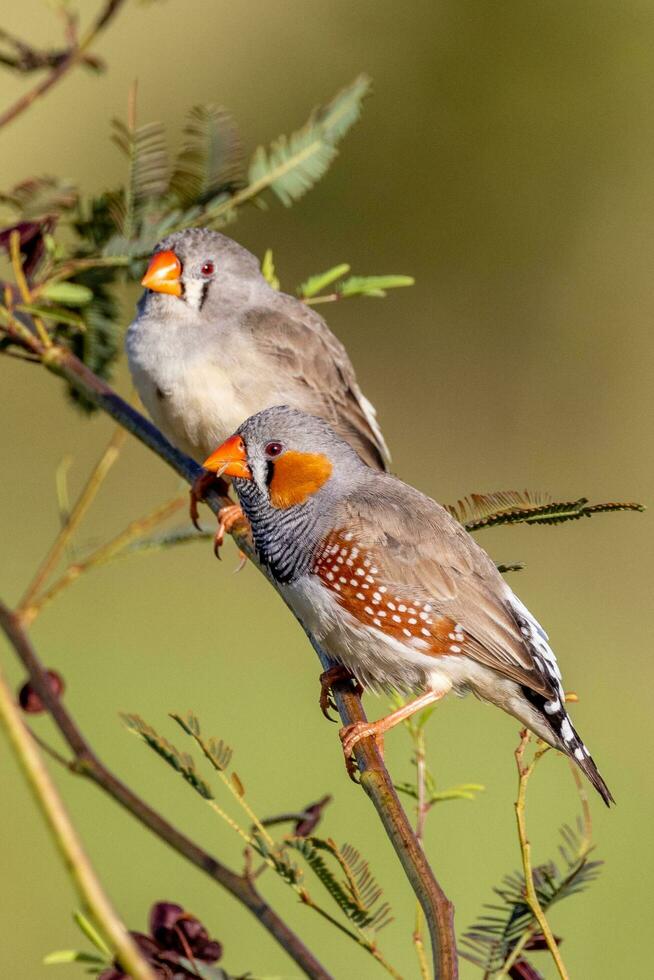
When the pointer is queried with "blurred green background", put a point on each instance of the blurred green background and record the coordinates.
(506, 161)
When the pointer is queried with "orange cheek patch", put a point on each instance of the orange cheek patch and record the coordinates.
(296, 477)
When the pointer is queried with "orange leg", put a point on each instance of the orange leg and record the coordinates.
(329, 677)
(228, 518)
(205, 481)
(350, 735)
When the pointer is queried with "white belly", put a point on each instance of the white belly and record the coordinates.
(199, 409)
(197, 400)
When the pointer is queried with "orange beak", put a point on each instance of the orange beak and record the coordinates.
(230, 459)
(162, 275)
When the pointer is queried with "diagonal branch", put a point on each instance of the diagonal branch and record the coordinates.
(77, 863)
(75, 54)
(375, 778)
(524, 772)
(86, 763)
(96, 478)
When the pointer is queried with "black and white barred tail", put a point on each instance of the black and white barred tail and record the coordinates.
(566, 738)
(551, 712)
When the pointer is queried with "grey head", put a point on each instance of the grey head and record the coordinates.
(197, 272)
(298, 472)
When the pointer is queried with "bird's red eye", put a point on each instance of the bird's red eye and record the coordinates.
(208, 269)
(273, 449)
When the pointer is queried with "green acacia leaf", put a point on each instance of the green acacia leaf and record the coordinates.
(481, 510)
(58, 313)
(293, 164)
(91, 933)
(211, 159)
(509, 918)
(372, 285)
(68, 293)
(73, 956)
(268, 269)
(315, 284)
(181, 762)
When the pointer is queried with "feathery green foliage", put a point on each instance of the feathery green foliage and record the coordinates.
(490, 941)
(181, 762)
(147, 180)
(268, 269)
(354, 286)
(315, 284)
(98, 343)
(211, 159)
(357, 894)
(293, 164)
(215, 750)
(525, 507)
(372, 285)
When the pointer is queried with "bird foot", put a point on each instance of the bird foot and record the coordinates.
(204, 482)
(228, 518)
(328, 678)
(351, 735)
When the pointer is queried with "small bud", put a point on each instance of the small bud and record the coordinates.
(29, 699)
(311, 817)
(523, 970)
(538, 941)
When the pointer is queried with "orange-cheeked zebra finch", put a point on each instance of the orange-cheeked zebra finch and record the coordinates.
(388, 583)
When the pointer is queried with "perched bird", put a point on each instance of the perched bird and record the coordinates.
(214, 343)
(390, 585)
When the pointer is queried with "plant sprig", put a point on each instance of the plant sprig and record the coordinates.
(510, 923)
(357, 895)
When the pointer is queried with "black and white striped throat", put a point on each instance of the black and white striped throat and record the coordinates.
(285, 539)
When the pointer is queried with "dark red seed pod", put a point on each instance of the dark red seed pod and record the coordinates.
(29, 699)
(523, 970)
(311, 817)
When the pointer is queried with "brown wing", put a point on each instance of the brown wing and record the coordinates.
(416, 567)
(321, 368)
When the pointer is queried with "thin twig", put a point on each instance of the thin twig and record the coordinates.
(524, 772)
(73, 266)
(326, 298)
(74, 55)
(374, 776)
(65, 837)
(99, 556)
(422, 808)
(84, 501)
(419, 943)
(516, 952)
(57, 756)
(23, 288)
(87, 763)
(357, 934)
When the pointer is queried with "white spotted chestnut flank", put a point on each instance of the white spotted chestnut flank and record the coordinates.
(349, 571)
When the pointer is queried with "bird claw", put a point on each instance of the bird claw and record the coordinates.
(329, 677)
(205, 481)
(351, 735)
(242, 562)
(228, 517)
